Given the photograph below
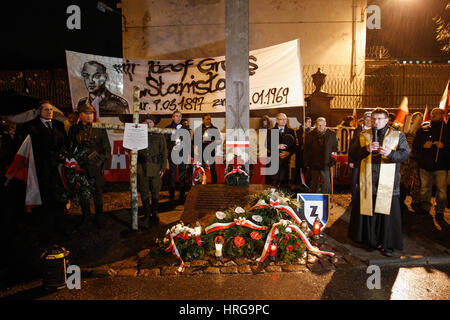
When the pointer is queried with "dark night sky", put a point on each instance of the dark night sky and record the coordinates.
(407, 28)
(34, 34)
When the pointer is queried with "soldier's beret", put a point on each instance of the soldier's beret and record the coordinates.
(85, 108)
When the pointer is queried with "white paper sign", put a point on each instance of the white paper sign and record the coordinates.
(135, 136)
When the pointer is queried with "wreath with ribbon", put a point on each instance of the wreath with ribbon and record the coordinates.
(78, 185)
(236, 175)
(198, 174)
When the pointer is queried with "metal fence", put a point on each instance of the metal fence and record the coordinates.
(383, 86)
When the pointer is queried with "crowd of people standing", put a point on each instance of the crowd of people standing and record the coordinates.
(387, 164)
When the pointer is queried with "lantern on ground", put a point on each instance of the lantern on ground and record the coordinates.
(219, 246)
(273, 250)
(316, 228)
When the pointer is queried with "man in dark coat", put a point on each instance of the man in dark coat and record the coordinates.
(428, 142)
(95, 143)
(205, 135)
(179, 147)
(49, 140)
(152, 163)
(319, 154)
(375, 219)
(286, 147)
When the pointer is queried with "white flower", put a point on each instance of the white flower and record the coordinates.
(257, 218)
(220, 215)
(179, 126)
(239, 210)
(261, 202)
(276, 231)
(288, 230)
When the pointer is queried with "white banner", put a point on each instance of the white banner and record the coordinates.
(190, 86)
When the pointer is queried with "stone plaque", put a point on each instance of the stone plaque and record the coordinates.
(205, 199)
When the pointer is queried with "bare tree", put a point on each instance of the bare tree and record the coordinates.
(443, 28)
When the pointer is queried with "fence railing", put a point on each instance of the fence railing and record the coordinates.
(373, 87)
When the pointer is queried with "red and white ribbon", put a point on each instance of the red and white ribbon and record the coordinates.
(173, 248)
(237, 169)
(304, 238)
(237, 222)
(276, 205)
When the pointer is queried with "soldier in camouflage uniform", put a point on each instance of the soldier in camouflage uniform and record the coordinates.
(96, 142)
(152, 163)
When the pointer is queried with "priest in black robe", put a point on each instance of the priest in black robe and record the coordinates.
(375, 219)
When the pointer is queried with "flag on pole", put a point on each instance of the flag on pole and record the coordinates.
(402, 112)
(426, 114)
(443, 104)
(355, 118)
(23, 168)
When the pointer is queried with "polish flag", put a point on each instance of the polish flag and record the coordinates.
(402, 112)
(355, 118)
(23, 168)
(445, 101)
(426, 114)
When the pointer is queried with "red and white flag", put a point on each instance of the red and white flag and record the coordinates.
(426, 115)
(402, 112)
(445, 101)
(355, 118)
(23, 168)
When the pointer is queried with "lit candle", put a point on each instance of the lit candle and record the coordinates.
(219, 248)
(273, 250)
(316, 228)
(198, 229)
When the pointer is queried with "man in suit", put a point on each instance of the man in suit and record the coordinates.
(95, 143)
(177, 146)
(286, 146)
(49, 140)
(208, 134)
(152, 163)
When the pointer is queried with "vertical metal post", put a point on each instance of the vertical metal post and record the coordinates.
(237, 75)
(133, 166)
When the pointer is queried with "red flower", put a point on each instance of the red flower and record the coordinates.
(239, 241)
(290, 248)
(255, 235)
(297, 244)
(183, 235)
(198, 240)
(287, 236)
(284, 241)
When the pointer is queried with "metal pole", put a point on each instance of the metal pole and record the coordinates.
(133, 166)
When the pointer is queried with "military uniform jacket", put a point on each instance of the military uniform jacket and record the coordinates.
(110, 104)
(153, 160)
(96, 142)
